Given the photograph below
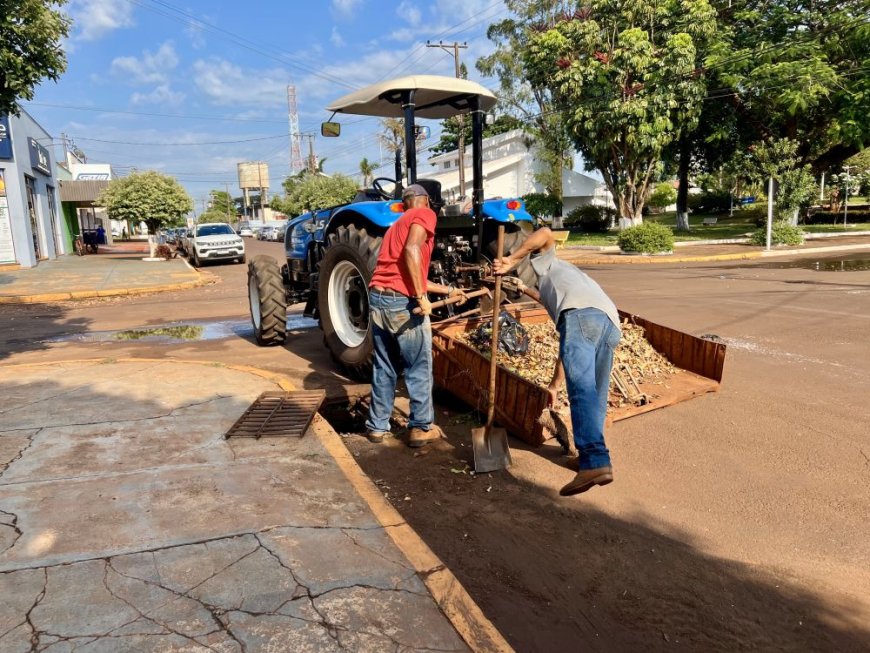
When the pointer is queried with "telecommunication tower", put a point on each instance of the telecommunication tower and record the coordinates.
(296, 162)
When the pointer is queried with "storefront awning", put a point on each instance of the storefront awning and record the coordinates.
(81, 191)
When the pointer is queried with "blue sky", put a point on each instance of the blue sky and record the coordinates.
(225, 67)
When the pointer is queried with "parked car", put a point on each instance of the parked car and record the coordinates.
(266, 233)
(214, 241)
(278, 233)
(180, 238)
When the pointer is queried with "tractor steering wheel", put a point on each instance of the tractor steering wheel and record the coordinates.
(376, 184)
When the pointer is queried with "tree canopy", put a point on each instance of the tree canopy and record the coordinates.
(450, 132)
(152, 197)
(625, 84)
(532, 103)
(31, 32)
(314, 191)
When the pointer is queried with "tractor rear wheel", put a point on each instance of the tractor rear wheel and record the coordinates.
(267, 300)
(343, 298)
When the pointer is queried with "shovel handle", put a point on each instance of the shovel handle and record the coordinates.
(453, 300)
(493, 363)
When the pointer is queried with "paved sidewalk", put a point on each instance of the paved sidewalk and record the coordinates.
(712, 253)
(95, 275)
(127, 523)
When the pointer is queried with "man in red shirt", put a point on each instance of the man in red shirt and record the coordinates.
(403, 340)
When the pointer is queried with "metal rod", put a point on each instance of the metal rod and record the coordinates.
(408, 107)
(477, 170)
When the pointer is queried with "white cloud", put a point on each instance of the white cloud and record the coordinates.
(345, 8)
(94, 18)
(403, 34)
(150, 68)
(409, 13)
(225, 83)
(336, 39)
(162, 95)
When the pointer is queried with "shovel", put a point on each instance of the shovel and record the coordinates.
(491, 451)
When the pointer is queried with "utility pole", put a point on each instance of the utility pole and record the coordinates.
(822, 194)
(769, 214)
(846, 201)
(229, 201)
(460, 118)
(312, 159)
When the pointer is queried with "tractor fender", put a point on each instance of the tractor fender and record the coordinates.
(506, 210)
(302, 232)
(381, 214)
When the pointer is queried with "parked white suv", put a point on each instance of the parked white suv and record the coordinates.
(214, 241)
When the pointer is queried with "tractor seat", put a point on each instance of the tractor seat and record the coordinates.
(433, 187)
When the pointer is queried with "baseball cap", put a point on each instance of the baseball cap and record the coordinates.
(414, 190)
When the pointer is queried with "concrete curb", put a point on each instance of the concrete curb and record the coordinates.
(43, 298)
(451, 597)
(653, 260)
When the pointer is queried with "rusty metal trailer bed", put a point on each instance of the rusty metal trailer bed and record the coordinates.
(463, 371)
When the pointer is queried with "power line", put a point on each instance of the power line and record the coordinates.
(153, 114)
(180, 144)
(193, 21)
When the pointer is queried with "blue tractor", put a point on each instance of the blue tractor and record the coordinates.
(331, 252)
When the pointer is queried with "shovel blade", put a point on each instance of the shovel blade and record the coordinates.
(491, 450)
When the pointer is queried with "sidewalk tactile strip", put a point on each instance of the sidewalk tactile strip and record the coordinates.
(278, 414)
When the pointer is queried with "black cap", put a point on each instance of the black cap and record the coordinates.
(414, 190)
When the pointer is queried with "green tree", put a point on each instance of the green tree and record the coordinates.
(624, 82)
(795, 186)
(222, 203)
(543, 205)
(532, 103)
(151, 197)
(449, 141)
(31, 32)
(367, 169)
(314, 192)
(796, 70)
(663, 195)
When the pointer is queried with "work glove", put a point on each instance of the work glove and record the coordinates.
(425, 305)
(513, 284)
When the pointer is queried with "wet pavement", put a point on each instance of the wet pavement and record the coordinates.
(128, 523)
(175, 332)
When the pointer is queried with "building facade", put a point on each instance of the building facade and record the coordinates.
(31, 228)
(510, 165)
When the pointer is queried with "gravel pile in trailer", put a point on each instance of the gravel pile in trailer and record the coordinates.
(654, 366)
(644, 364)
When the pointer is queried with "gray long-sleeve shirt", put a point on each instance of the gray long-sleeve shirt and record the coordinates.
(563, 286)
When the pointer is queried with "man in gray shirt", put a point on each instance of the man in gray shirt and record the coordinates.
(588, 325)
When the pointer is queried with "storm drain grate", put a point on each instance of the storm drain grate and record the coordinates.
(278, 414)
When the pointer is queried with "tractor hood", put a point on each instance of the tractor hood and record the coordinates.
(436, 97)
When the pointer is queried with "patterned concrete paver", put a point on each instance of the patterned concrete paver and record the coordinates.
(127, 523)
(71, 277)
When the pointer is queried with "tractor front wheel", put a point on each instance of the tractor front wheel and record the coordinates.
(267, 301)
(343, 298)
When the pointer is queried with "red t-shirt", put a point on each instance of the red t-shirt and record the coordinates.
(390, 271)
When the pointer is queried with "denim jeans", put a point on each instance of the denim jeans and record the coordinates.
(587, 340)
(403, 343)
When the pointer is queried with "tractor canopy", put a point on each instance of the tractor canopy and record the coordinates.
(432, 96)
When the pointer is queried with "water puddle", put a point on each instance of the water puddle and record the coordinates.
(853, 263)
(176, 333)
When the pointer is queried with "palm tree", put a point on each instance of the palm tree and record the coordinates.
(366, 169)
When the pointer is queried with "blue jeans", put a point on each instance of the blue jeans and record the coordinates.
(587, 340)
(403, 343)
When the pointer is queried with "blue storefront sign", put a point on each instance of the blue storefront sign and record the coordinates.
(5, 138)
(39, 159)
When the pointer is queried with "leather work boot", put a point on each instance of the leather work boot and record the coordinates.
(375, 436)
(573, 464)
(419, 437)
(586, 478)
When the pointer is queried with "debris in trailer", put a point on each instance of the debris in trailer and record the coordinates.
(635, 362)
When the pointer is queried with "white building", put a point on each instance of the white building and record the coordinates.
(509, 168)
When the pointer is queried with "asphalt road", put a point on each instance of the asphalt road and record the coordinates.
(773, 473)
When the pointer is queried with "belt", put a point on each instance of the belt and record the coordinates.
(390, 292)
